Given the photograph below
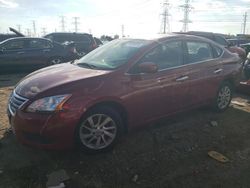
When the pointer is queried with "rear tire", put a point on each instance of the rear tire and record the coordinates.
(55, 60)
(99, 130)
(223, 97)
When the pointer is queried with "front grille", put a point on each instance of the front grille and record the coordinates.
(15, 102)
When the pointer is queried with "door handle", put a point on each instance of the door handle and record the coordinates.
(217, 71)
(181, 79)
(20, 52)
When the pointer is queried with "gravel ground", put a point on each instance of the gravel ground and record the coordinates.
(168, 153)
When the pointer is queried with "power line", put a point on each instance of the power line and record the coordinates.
(76, 23)
(244, 22)
(62, 23)
(186, 8)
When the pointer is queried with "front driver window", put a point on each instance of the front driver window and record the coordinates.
(166, 55)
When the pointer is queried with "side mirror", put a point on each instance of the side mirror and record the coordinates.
(148, 67)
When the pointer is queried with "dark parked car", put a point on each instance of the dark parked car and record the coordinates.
(26, 54)
(220, 39)
(238, 42)
(121, 85)
(84, 42)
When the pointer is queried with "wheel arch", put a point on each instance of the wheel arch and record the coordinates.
(114, 105)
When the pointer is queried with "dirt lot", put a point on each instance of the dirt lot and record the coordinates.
(169, 153)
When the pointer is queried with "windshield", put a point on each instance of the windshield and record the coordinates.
(113, 54)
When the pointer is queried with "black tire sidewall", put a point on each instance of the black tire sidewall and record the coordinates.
(107, 111)
(216, 106)
(53, 58)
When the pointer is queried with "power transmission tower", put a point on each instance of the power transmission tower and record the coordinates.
(76, 23)
(165, 18)
(186, 8)
(44, 31)
(34, 27)
(244, 23)
(62, 23)
(19, 28)
(123, 35)
(28, 32)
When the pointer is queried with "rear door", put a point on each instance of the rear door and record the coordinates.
(12, 55)
(38, 52)
(204, 71)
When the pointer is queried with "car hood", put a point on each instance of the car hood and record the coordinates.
(53, 76)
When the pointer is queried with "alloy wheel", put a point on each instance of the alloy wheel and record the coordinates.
(224, 97)
(98, 131)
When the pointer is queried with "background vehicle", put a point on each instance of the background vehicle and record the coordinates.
(84, 42)
(119, 86)
(238, 42)
(27, 54)
(220, 39)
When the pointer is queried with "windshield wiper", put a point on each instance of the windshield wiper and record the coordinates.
(87, 65)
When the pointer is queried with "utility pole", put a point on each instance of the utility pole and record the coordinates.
(76, 23)
(34, 27)
(244, 23)
(186, 8)
(44, 31)
(123, 35)
(165, 18)
(62, 23)
(19, 28)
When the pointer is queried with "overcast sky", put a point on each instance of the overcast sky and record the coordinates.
(139, 17)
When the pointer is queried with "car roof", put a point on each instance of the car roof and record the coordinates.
(164, 37)
(67, 33)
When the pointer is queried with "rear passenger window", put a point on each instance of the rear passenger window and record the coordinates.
(198, 51)
(39, 44)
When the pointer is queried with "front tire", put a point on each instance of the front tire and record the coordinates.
(99, 130)
(223, 97)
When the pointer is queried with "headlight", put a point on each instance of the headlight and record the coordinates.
(48, 104)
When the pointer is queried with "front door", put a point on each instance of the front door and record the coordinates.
(158, 94)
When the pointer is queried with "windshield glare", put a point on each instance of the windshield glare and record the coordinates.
(113, 54)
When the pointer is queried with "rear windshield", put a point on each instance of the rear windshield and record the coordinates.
(113, 54)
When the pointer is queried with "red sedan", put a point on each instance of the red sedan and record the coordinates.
(121, 85)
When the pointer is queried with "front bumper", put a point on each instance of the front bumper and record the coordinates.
(47, 131)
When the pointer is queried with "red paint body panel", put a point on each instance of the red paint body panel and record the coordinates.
(145, 97)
